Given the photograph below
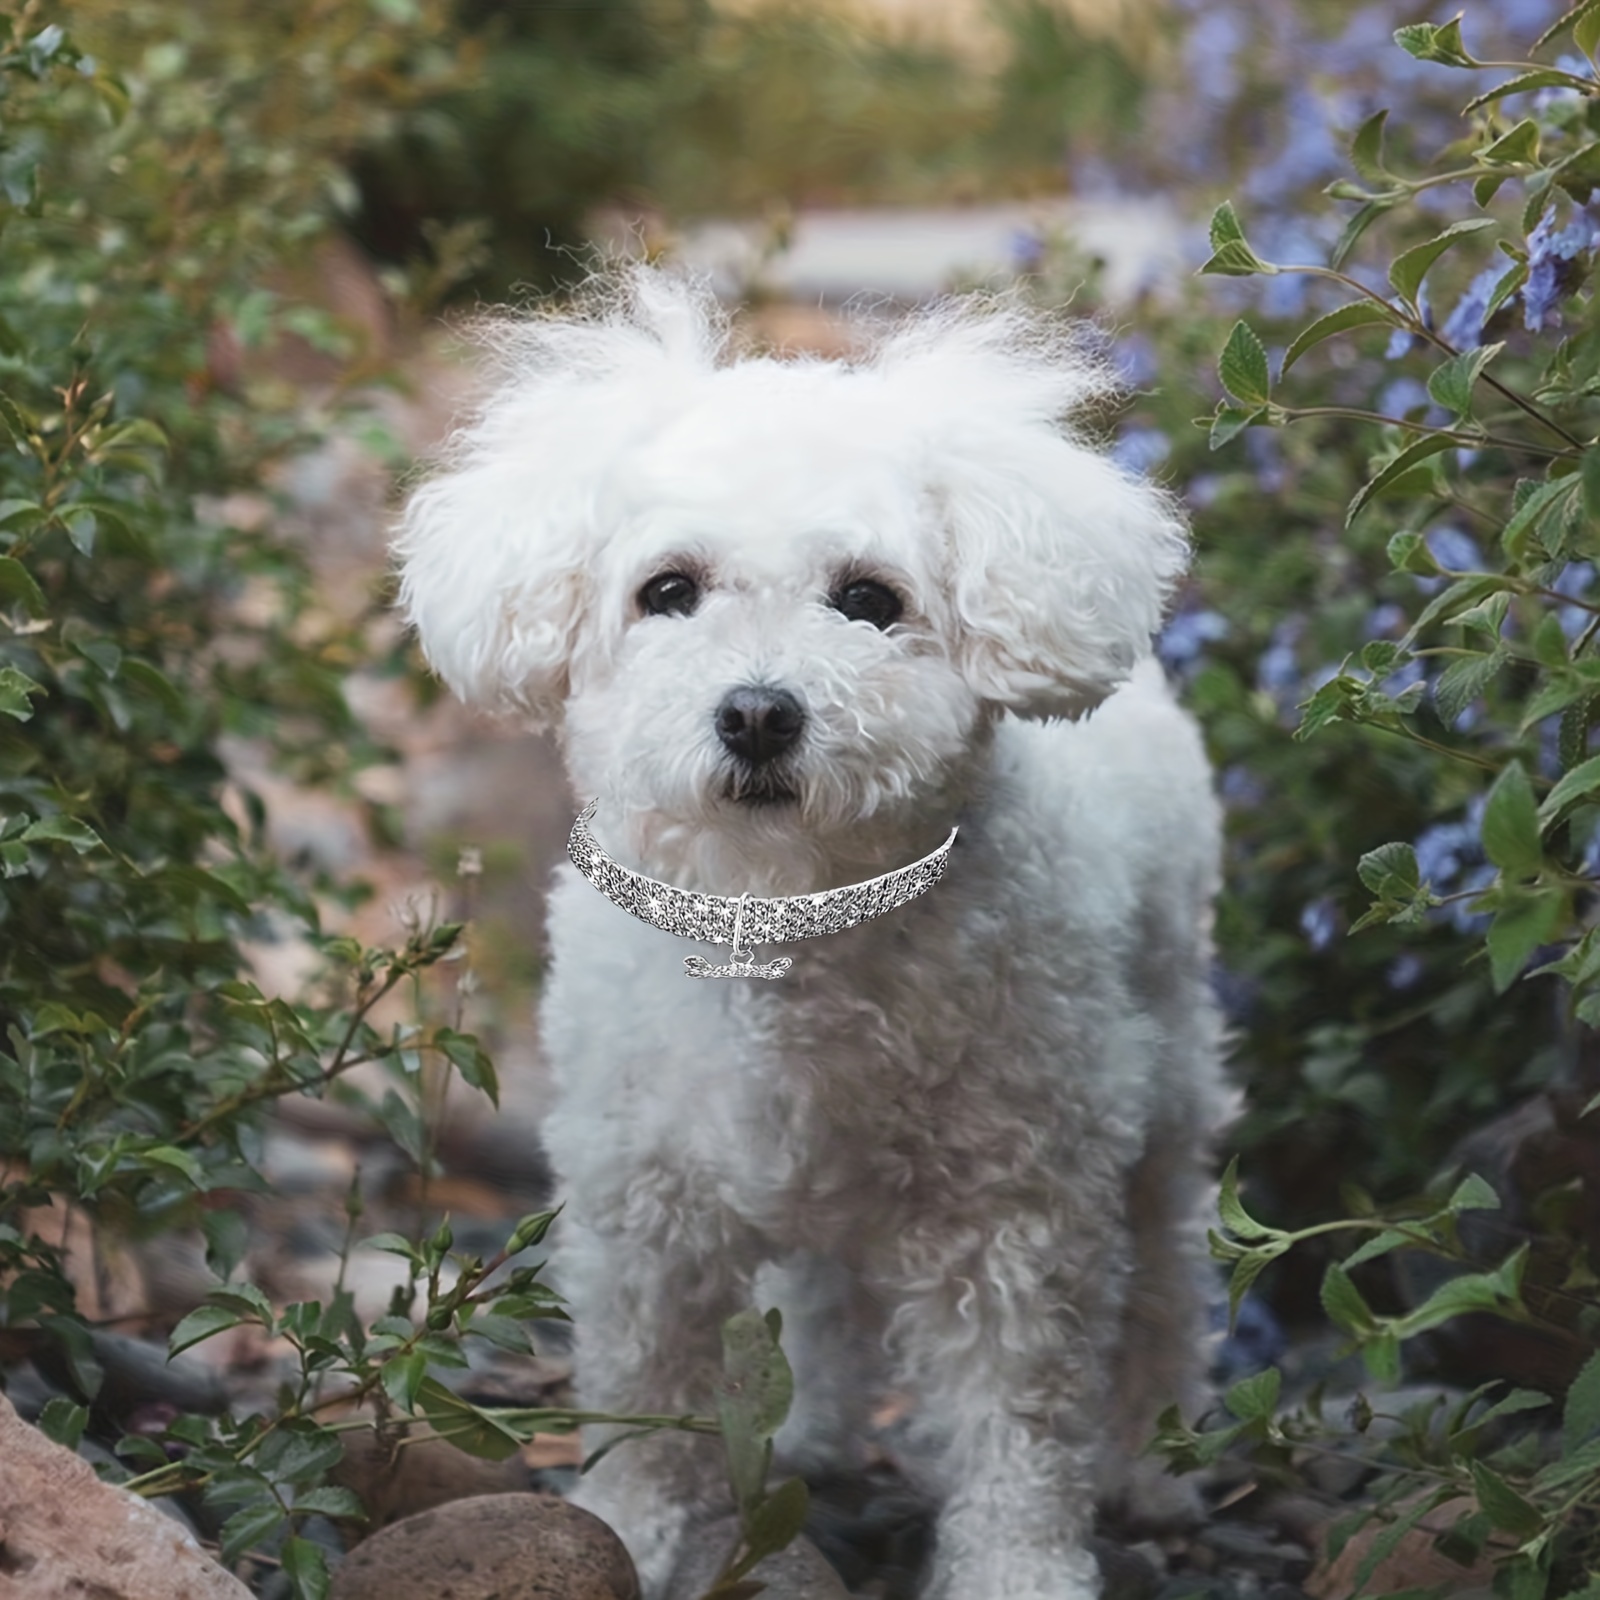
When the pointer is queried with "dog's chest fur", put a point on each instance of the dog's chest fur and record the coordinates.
(971, 1041)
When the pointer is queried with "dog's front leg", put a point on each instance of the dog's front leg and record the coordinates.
(1003, 1334)
(648, 1309)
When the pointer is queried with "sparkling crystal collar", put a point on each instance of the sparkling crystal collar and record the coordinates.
(743, 921)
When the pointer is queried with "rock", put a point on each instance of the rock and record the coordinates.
(494, 1547)
(429, 1472)
(1412, 1564)
(65, 1535)
(797, 1573)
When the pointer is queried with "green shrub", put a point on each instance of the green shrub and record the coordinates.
(1392, 641)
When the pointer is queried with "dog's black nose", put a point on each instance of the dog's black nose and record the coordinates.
(758, 724)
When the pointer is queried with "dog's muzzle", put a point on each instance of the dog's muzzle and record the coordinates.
(758, 725)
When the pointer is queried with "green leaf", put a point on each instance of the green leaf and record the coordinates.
(1235, 1218)
(1505, 1507)
(307, 1568)
(1411, 266)
(775, 1521)
(1463, 681)
(1409, 552)
(503, 1332)
(16, 583)
(331, 1502)
(1511, 280)
(1355, 227)
(81, 526)
(1366, 149)
(248, 1527)
(1359, 314)
(1231, 255)
(1380, 1244)
(1254, 1399)
(1520, 928)
(1343, 1302)
(1391, 870)
(1520, 144)
(1580, 1418)
(63, 830)
(1472, 1194)
(1243, 367)
(63, 1421)
(470, 1059)
(1563, 22)
(1584, 779)
(1532, 510)
(1230, 422)
(167, 1155)
(1418, 451)
(403, 1377)
(1440, 42)
(1544, 78)
(201, 1323)
(753, 1399)
(1382, 1357)
(1452, 384)
(1511, 824)
(1472, 1291)
(16, 689)
(1586, 31)
(466, 1426)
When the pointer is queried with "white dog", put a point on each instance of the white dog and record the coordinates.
(794, 620)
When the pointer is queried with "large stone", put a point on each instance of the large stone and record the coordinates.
(798, 1572)
(65, 1535)
(429, 1472)
(494, 1547)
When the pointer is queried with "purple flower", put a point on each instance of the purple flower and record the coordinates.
(1558, 261)
(1141, 449)
(1278, 670)
(1454, 549)
(1464, 326)
(1403, 396)
(1241, 788)
(1405, 971)
(1135, 360)
(1026, 248)
(1184, 639)
(1576, 581)
(1402, 339)
(1319, 922)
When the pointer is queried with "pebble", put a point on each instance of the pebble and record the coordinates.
(493, 1547)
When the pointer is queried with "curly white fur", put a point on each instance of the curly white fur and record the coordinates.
(963, 1147)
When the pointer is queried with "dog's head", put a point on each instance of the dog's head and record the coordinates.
(774, 602)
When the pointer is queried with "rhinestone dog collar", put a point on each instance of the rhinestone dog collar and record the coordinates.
(743, 921)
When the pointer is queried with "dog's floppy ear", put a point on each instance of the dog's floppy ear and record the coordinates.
(497, 549)
(1060, 564)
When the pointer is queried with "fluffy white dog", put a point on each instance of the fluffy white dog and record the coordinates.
(793, 620)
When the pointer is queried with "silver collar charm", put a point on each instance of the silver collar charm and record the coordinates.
(735, 919)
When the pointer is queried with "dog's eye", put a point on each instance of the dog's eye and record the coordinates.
(867, 600)
(673, 594)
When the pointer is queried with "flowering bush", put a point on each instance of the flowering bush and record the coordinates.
(1392, 639)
